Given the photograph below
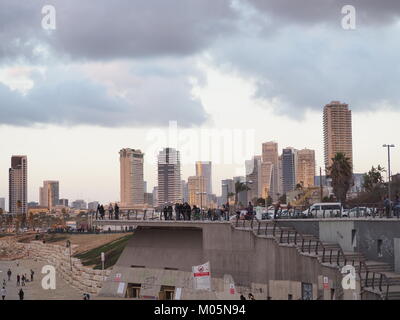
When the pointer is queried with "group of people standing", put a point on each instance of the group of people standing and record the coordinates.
(183, 211)
(113, 212)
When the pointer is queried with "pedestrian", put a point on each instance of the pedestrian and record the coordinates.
(32, 273)
(18, 280)
(9, 274)
(165, 211)
(116, 212)
(21, 294)
(3, 293)
(251, 297)
(110, 212)
(4, 283)
(242, 297)
(396, 206)
(277, 207)
(97, 211)
(387, 205)
(23, 280)
(170, 210)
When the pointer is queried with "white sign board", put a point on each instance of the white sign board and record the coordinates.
(202, 277)
(259, 212)
(121, 288)
(178, 294)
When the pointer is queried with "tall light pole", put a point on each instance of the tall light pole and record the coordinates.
(388, 146)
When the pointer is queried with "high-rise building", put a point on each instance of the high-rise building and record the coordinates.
(266, 179)
(169, 177)
(204, 169)
(132, 183)
(228, 187)
(337, 132)
(155, 196)
(18, 185)
(270, 154)
(253, 174)
(242, 195)
(305, 172)
(289, 164)
(2, 205)
(63, 202)
(197, 191)
(185, 191)
(49, 194)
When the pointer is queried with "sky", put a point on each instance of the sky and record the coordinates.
(215, 79)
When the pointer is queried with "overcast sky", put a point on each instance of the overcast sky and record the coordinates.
(232, 74)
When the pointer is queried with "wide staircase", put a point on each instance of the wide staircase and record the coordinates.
(375, 277)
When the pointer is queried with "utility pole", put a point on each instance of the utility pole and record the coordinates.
(388, 146)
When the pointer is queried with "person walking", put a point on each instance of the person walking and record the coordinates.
(9, 274)
(97, 211)
(18, 280)
(23, 280)
(110, 212)
(116, 212)
(396, 206)
(21, 294)
(387, 205)
(3, 293)
(32, 273)
(170, 210)
(165, 211)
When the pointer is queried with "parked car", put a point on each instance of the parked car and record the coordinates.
(327, 210)
(357, 212)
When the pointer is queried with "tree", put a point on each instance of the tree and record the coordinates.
(373, 178)
(269, 201)
(341, 174)
(283, 199)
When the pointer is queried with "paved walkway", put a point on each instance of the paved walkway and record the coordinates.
(33, 290)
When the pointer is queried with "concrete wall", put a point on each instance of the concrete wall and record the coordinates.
(338, 232)
(397, 254)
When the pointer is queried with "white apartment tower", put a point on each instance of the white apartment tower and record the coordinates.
(132, 182)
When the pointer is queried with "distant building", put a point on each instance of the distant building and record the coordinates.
(305, 172)
(169, 177)
(131, 178)
(155, 196)
(289, 168)
(185, 191)
(227, 187)
(337, 132)
(3, 204)
(93, 205)
(270, 155)
(197, 191)
(63, 202)
(79, 204)
(266, 179)
(253, 174)
(49, 194)
(18, 185)
(204, 169)
(33, 204)
(148, 199)
(241, 196)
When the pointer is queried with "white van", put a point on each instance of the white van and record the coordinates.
(325, 210)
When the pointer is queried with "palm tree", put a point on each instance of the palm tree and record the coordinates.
(341, 174)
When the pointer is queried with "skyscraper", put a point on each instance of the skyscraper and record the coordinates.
(270, 154)
(337, 132)
(289, 164)
(132, 183)
(197, 191)
(18, 185)
(2, 205)
(203, 169)
(185, 191)
(49, 194)
(305, 172)
(228, 186)
(266, 179)
(253, 174)
(169, 177)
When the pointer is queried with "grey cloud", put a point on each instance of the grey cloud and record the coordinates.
(73, 100)
(101, 29)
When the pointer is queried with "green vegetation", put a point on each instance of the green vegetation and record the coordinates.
(112, 251)
(341, 174)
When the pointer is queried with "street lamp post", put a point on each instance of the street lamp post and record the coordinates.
(388, 146)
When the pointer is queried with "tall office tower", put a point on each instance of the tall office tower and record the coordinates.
(270, 154)
(2, 205)
(169, 177)
(145, 186)
(203, 169)
(228, 186)
(155, 196)
(289, 164)
(266, 179)
(253, 174)
(49, 194)
(305, 167)
(185, 191)
(280, 171)
(18, 185)
(197, 186)
(337, 132)
(63, 202)
(132, 183)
